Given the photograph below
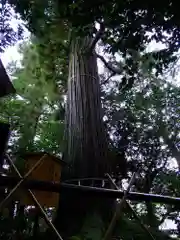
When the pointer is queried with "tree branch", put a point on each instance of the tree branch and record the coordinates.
(97, 37)
(107, 79)
(164, 217)
(109, 65)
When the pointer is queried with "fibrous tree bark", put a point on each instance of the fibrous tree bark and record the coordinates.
(86, 143)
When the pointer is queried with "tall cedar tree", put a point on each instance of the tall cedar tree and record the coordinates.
(123, 29)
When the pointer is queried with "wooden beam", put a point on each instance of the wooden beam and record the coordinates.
(86, 191)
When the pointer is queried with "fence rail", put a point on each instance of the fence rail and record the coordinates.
(9, 181)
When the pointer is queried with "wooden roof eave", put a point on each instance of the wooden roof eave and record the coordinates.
(6, 87)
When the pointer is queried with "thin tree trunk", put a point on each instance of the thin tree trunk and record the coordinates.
(151, 217)
(26, 143)
(86, 150)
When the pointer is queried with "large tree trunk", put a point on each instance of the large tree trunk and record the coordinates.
(86, 143)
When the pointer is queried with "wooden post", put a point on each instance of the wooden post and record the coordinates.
(132, 210)
(118, 210)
